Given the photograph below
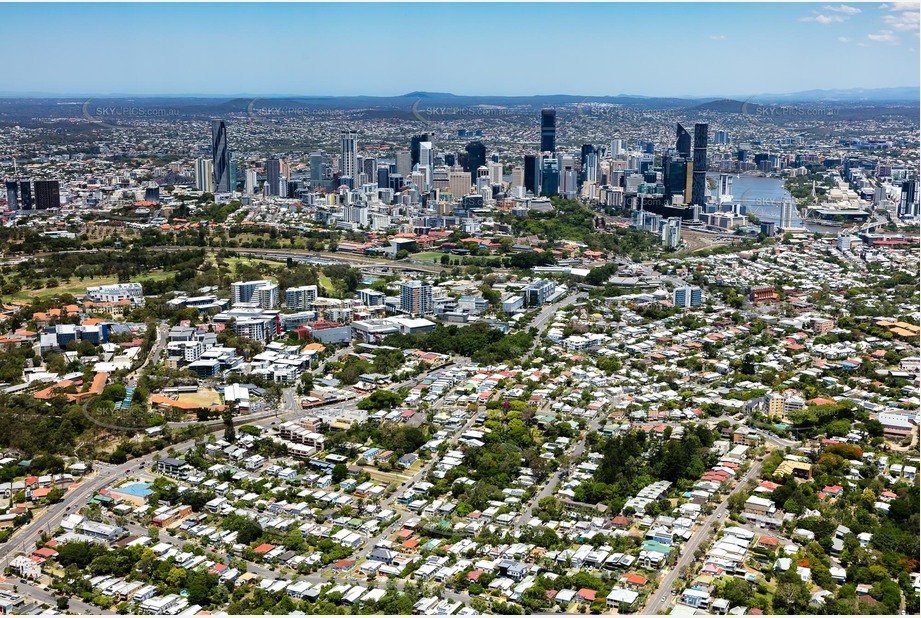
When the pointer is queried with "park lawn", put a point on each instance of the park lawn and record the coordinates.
(428, 256)
(75, 286)
(327, 283)
(232, 262)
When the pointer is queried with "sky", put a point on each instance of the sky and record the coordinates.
(652, 49)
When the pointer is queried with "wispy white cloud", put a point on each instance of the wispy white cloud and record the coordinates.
(902, 16)
(843, 8)
(824, 19)
(844, 39)
(717, 37)
(883, 36)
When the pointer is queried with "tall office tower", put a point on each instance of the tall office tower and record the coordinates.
(495, 172)
(369, 168)
(589, 163)
(414, 142)
(220, 157)
(25, 194)
(683, 142)
(909, 200)
(317, 168)
(416, 298)
(459, 183)
(699, 181)
(348, 162)
(12, 194)
(532, 173)
(47, 194)
(420, 178)
(251, 180)
(383, 176)
(517, 176)
(549, 176)
(548, 130)
(671, 233)
(440, 178)
(721, 138)
(618, 146)
(476, 157)
(568, 183)
(786, 214)
(450, 159)
(426, 156)
(204, 175)
(724, 188)
(272, 175)
(404, 164)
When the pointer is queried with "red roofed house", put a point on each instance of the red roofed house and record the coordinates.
(632, 580)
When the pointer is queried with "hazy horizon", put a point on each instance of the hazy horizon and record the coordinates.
(680, 50)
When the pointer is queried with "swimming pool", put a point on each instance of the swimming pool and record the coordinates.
(141, 490)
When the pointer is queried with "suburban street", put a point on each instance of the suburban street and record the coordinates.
(659, 599)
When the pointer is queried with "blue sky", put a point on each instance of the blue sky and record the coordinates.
(650, 49)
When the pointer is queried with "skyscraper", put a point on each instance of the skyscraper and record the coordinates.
(909, 199)
(12, 194)
(426, 162)
(548, 130)
(459, 183)
(476, 157)
(272, 175)
(683, 142)
(317, 167)
(549, 176)
(699, 180)
(25, 193)
(47, 194)
(416, 298)
(348, 163)
(220, 157)
(532, 174)
(204, 175)
(404, 164)
(589, 163)
(414, 142)
(671, 232)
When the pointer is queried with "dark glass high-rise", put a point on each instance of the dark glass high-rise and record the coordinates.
(220, 157)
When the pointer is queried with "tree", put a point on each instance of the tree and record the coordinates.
(339, 473)
(230, 434)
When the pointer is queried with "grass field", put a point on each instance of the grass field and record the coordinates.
(428, 256)
(203, 398)
(75, 286)
(327, 283)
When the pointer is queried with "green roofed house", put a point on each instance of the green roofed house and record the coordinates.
(102, 500)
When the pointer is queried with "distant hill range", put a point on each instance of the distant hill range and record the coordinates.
(16, 108)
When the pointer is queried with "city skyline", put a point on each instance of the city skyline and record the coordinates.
(743, 48)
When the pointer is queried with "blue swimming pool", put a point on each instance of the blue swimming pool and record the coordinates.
(141, 490)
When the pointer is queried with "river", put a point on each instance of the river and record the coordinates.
(761, 196)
